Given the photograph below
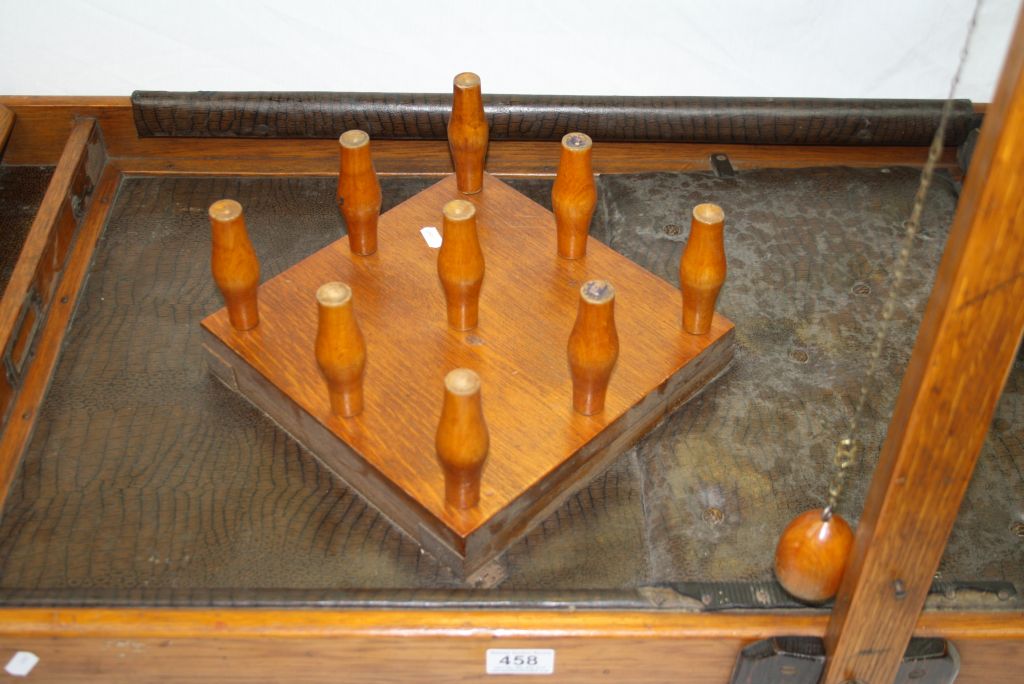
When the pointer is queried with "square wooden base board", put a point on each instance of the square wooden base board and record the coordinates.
(541, 450)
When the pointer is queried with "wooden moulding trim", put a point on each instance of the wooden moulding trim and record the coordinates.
(222, 157)
(144, 623)
(719, 120)
(6, 124)
(44, 123)
(162, 623)
(967, 342)
(49, 338)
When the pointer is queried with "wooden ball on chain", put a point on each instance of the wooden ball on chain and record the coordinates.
(812, 555)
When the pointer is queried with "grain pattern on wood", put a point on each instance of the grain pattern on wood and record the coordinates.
(755, 121)
(34, 278)
(381, 646)
(26, 404)
(967, 342)
(44, 123)
(6, 124)
(388, 646)
(541, 450)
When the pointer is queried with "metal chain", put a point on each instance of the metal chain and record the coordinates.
(848, 448)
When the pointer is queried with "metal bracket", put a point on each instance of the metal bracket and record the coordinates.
(721, 165)
(801, 660)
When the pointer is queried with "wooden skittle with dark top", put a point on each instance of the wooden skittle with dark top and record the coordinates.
(593, 347)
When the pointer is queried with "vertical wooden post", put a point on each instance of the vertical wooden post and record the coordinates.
(964, 350)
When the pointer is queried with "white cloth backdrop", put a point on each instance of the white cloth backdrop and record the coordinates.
(807, 48)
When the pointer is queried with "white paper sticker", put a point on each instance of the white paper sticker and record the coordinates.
(21, 664)
(431, 235)
(520, 661)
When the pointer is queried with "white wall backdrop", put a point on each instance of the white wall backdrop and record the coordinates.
(864, 48)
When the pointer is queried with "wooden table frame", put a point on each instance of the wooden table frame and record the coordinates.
(967, 342)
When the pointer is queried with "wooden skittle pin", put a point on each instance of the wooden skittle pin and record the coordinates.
(593, 347)
(462, 439)
(460, 265)
(574, 195)
(467, 133)
(340, 349)
(236, 270)
(702, 268)
(358, 194)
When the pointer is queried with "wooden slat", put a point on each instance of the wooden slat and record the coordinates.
(39, 235)
(6, 124)
(38, 374)
(439, 645)
(505, 159)
(379, 646)
(967, 341)
(29, 293)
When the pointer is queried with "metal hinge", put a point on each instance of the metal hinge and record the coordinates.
(801, 660)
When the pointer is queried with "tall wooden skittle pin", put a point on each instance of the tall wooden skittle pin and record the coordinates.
(236, 270)
(358, 191)
(467, 133)
(460, 265)
(702, 268)
(593, 347)
(574, 195)
(340, 349)
(462, 439)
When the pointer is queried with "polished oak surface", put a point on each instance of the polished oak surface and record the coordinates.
(541, 450)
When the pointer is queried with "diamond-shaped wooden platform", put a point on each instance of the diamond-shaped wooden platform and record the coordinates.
(541, 451)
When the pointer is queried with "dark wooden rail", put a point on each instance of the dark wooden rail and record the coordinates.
(756, 121)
